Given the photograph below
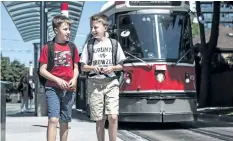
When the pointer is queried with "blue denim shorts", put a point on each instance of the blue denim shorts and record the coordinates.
(60, 103)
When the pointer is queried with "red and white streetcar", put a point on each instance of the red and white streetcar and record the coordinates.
(158, 81)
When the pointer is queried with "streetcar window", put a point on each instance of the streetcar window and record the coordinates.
(156, 36)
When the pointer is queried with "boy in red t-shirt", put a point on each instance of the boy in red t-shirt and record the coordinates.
(61, 80)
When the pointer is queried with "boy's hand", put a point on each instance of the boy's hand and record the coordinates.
(72, 83)
(96, 69)
(62, 83)
(107, 70)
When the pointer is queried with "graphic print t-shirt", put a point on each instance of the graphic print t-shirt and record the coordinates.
(63, 63)
(102, 56)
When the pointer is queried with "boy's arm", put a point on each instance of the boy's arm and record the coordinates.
(46, 74)
(43, 71)
(76, 72)
(110, 69)
(73, 81)
(84, 59)
(86, 67)
(43, 65)
(118, 67)
(76, 60)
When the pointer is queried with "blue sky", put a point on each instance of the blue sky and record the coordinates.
(11, 39)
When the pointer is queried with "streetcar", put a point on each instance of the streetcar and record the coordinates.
(158, 80)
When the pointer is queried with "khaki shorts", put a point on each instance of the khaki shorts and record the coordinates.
(103, 97)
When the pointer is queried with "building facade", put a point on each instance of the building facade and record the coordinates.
(226, 14)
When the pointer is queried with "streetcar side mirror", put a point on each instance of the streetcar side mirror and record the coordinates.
(125, 33)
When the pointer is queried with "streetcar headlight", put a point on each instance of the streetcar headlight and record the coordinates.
(160, 77)
(187, 80)
(128, 80)
(127, 77)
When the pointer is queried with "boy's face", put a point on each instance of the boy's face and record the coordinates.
(63, 32)
(98, 29)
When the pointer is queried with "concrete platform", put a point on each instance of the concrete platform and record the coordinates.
(27, 127)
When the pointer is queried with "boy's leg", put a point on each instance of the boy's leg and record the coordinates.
(53, 112)
(64, 127)
(96, 101)
(67, 100)
(100, 130)
(112, 108)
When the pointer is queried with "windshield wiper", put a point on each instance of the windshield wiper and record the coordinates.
(138, 59)
(175, 64)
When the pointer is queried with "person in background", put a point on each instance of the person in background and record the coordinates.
(26, 93)
(31, 94)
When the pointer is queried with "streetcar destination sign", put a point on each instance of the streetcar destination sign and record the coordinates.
(155, 3)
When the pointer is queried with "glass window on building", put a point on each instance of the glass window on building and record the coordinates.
(231, 15)
(203, 6)
(208, 15)
(223, 5)
(205, 26)
(209, 25)
(222, 15)
(206, 5)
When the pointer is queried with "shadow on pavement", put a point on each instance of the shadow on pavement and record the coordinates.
(43, 126)
(78, 115)
(19, 114)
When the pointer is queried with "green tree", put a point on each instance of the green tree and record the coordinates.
(12, 71)
(195, 29)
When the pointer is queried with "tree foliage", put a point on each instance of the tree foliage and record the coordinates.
(12, 71)
(195, 29)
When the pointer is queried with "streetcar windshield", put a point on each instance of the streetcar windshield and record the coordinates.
(156, 36)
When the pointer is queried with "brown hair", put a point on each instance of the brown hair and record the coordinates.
(58, 20)
(100, 18)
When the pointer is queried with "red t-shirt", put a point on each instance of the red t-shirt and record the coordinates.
(63, 63)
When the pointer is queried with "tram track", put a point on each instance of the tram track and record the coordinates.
(127, 135)
(139, 136)
(203, 129)
(221, 134)
(216, 135)
(183, 131)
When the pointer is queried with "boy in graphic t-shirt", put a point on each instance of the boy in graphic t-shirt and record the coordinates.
(61, 80)
(102, 85)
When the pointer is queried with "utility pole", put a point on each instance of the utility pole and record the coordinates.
(41, 104)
